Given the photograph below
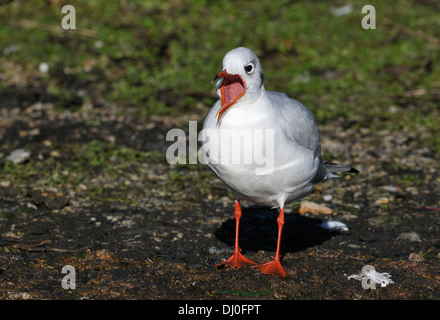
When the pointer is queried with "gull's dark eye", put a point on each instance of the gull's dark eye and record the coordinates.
(249, 68)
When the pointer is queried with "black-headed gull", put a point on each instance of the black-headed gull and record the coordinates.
(248, 123)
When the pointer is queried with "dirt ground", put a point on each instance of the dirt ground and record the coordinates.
(165, 247)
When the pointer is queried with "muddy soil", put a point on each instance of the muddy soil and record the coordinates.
(166, 247)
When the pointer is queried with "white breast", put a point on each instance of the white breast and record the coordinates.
(250, 151)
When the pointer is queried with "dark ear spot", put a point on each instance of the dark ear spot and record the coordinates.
(261, 79)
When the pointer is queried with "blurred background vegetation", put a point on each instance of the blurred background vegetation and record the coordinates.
(158, 57)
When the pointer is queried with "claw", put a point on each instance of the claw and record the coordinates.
(274, 267)
(236, 261)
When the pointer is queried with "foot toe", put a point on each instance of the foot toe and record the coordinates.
(274, 267)
(237, 260)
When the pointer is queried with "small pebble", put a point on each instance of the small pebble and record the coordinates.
(392, 189)
(333, 225)
(19, 295)
(416, 257)
(311, 207)
(382, 201)
(11, 49)
(5, 183)
(410, 236)
(341, 11)
(43, 67)
(104, 254)
(214, 250)
(18, 156)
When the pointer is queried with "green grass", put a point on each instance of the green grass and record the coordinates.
(104, 171)
(158, 57)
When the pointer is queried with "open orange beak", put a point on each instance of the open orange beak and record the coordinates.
(231, 89)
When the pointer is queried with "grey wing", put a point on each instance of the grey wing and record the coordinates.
(298, 122)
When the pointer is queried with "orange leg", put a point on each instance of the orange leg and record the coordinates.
(274, 267)
(237, 260)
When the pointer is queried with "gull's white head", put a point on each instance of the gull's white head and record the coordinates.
(242, 76)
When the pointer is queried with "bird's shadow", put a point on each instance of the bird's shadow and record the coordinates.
(259, 231)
